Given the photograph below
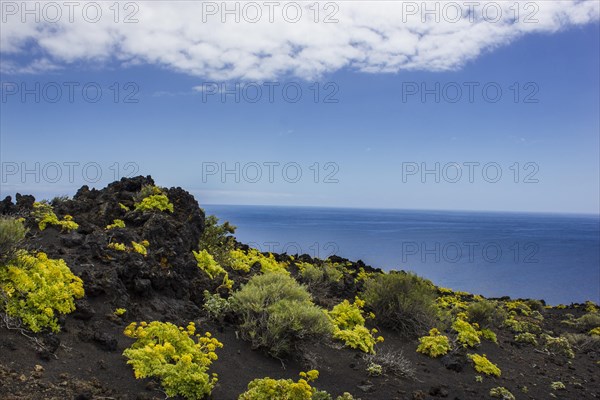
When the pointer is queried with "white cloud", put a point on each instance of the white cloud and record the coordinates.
(370, 36)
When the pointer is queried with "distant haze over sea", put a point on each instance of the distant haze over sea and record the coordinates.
(555, 257)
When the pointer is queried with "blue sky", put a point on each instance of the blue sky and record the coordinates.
(360, 145)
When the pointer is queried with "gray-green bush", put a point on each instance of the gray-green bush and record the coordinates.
(12, 236)
(277, 313)
(402, 301)
(487, 313)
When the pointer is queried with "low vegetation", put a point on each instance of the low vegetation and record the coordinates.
(435, 344)
(276, 313)
(207, 263)
(44, 215)
(298, 309)
(217, 240)
(152, 198)
(36, 289)
(349, 326)
(484, 366)
(178, 357)
(12, 237)
(401, 301)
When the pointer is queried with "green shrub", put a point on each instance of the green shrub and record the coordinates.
(171, 354)
(584, 323)
(402, 301)
(147, 191)
(319, 277)
(535, 305)
(281, 389)
(215, 306)
(35, 288)
(12, 236)
(486, 313)
(484, 366)
(349, 326)
(557, 346)
(501, 393)
(557, 386)
(434, 345)
(44, 216)
(526, 337)
(522, 326)
(217, 240)
(276, 313)
(57, 200)
(583, 343)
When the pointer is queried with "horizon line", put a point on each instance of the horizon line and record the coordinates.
(573, 213)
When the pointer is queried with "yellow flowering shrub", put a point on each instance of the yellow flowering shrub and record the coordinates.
(363, 275)
(468, 335)
(158, 202)
(35, 288)
(243, 261)
(177, 356)
(444, 291)
(281, 389)
(44, 215)
(119, 312)
(434, 345)
(349, 326)
(207, 263)
(151, 198)
(518, 307)
(141, 248)
(488, 334)
(594, 332)
(483, 365)
(117, 246)
(117, 223)
(451, 302)
(520, 325)
(590, 306)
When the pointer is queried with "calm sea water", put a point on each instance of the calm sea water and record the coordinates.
(544, 256)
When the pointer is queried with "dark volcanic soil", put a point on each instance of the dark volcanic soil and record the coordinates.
(84, 360)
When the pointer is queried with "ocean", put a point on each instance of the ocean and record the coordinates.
(555, 257)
